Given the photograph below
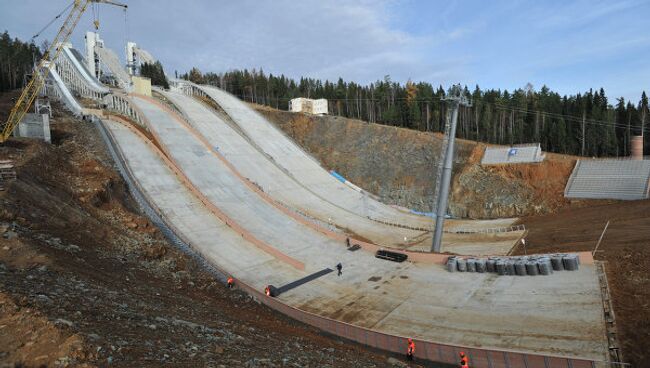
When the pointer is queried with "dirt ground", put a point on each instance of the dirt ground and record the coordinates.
(400, 165)
(86, 281)
(625, 248)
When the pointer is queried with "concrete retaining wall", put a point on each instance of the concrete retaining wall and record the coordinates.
(34, 126)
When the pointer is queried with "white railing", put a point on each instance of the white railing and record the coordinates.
(76, 80)
(121, 105)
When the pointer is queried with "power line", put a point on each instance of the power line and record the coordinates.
(496, 105)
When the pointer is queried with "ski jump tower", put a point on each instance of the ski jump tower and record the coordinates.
(135, 57)
(93, 61)
(98, 57)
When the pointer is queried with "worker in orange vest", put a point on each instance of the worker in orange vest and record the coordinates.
(267, 290)
(231, 282)
(410, 350)
(464, 361)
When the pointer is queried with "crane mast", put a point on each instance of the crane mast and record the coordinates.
(42, 71)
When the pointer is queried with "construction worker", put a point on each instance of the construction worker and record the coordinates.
(231, 282)
(410, 350)
(269, 290)
(347, 242)
(464, 361)
(339, 267)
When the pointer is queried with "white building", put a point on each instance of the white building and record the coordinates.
(315, 107)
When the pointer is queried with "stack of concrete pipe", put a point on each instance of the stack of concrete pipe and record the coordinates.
(520, 266)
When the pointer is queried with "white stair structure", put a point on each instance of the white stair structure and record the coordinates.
(524, 153)
(609, 179)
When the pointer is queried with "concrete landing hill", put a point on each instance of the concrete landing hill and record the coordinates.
(399, 165)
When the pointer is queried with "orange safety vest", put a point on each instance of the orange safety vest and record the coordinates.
(267, 291)
(464, 362)
(411, 348)
(230, 280)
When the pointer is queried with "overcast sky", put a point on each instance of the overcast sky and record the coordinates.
(569, 46)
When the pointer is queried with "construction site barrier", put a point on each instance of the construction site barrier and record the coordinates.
(427, 350)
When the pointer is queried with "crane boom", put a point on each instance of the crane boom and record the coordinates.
(110, 2)
(42, 71)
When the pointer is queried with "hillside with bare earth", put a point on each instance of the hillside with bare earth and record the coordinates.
(399, 165)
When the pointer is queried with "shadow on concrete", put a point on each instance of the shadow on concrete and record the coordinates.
(304, 280)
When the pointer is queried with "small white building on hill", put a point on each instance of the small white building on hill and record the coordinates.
(315, 107)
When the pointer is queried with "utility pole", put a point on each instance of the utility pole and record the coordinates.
(455, 98)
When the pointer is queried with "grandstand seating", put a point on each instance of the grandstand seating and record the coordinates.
(512, 155)
(609, 179)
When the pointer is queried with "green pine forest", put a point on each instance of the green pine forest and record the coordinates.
(156, 73)
(586, 124)
(16, 60)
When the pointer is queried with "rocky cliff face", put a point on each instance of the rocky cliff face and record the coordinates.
(400, 166)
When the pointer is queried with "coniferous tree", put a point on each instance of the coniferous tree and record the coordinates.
(16, 60)
(578, 124)
(156, 73)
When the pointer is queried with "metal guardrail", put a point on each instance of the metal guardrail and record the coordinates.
(493, 230)
(120, 104)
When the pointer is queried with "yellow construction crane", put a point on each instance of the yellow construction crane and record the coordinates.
(42, 71)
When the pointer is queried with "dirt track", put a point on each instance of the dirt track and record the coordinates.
(626, 249)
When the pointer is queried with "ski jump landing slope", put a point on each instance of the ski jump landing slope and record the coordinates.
(304, 168)
(274, 181)
(287, 173)
(559, 314)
